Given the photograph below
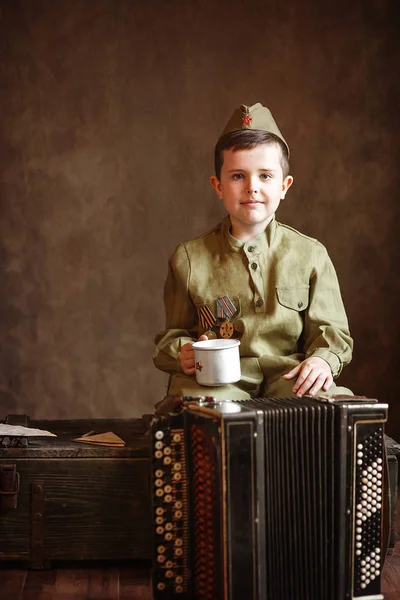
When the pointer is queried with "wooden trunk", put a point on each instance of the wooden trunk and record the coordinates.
(77, 501)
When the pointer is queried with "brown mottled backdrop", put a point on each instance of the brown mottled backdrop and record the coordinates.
(109, 113)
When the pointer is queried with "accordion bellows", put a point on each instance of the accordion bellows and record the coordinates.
(269, 499)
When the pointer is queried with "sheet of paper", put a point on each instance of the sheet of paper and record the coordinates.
(18, 431)
(103, 439)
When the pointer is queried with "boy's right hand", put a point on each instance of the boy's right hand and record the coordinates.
(186, 356)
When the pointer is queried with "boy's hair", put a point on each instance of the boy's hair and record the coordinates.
(246, 139)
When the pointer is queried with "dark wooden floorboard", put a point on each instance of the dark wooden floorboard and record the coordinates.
(11, 582)
(39, 585)
(134, 584)
(103, 584)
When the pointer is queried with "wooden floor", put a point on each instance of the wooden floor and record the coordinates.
(391, 575)
(120, 582)
(74, 582)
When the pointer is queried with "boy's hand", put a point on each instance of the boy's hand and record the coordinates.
(186, 356)
(312, 374)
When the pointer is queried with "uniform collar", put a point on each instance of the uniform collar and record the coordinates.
(259, 243)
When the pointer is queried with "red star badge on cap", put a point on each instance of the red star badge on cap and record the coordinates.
(247, 120)
(199, 366)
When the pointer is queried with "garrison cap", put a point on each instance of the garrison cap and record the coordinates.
(253, 117)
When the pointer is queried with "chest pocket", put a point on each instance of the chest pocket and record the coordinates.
(295, 298)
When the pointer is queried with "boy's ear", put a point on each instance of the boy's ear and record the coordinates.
(287, 182)
(215, 182)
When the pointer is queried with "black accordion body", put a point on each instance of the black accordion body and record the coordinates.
(269, 499)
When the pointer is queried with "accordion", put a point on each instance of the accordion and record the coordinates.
(269, 499)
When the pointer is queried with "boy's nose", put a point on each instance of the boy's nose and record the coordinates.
(252, 186)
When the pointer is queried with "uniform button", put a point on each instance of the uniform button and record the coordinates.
(300, 304)
(250, 248)
(259, 302)
(254, 266)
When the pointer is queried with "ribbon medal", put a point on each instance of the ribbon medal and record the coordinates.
(207, 320)
(226, 309)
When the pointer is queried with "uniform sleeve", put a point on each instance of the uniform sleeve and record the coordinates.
(180, 314)
(326, 330)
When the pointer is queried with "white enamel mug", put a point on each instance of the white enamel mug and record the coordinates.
(217, 362)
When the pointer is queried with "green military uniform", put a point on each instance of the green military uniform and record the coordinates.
(287, 303)
(278, 293)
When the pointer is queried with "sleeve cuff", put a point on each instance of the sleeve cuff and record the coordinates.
(331, 358)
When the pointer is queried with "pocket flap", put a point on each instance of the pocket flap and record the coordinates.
(295, 298)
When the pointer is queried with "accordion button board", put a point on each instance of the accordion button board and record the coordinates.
(169, 509)
(368, 508)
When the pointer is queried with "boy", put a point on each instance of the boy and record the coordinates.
(255, 279)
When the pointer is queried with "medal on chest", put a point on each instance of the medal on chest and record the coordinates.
(226, 309)
(219, 325)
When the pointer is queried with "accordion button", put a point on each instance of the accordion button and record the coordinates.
(168, 489)
(159, 473)
(160, 492)
(169, 564)
(160, 530)
(159, 511)
(159, 435)
(178, 504)
(161, 586)
(177, 466)
(179, 579)
(178, 514)
(160, 558)
(167, 459)
(179, 589)
(168, 498)
(177, 437)
(169, 574)
(178, 542)
(167, 451)
(168, 537)
(158, 445)
(158, 454)
(159, 521)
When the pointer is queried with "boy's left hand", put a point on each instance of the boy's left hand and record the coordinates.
(312, 374)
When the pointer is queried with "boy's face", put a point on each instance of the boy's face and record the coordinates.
(251, 187)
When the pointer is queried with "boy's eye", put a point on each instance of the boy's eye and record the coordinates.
(265, 176)
(237, 176)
